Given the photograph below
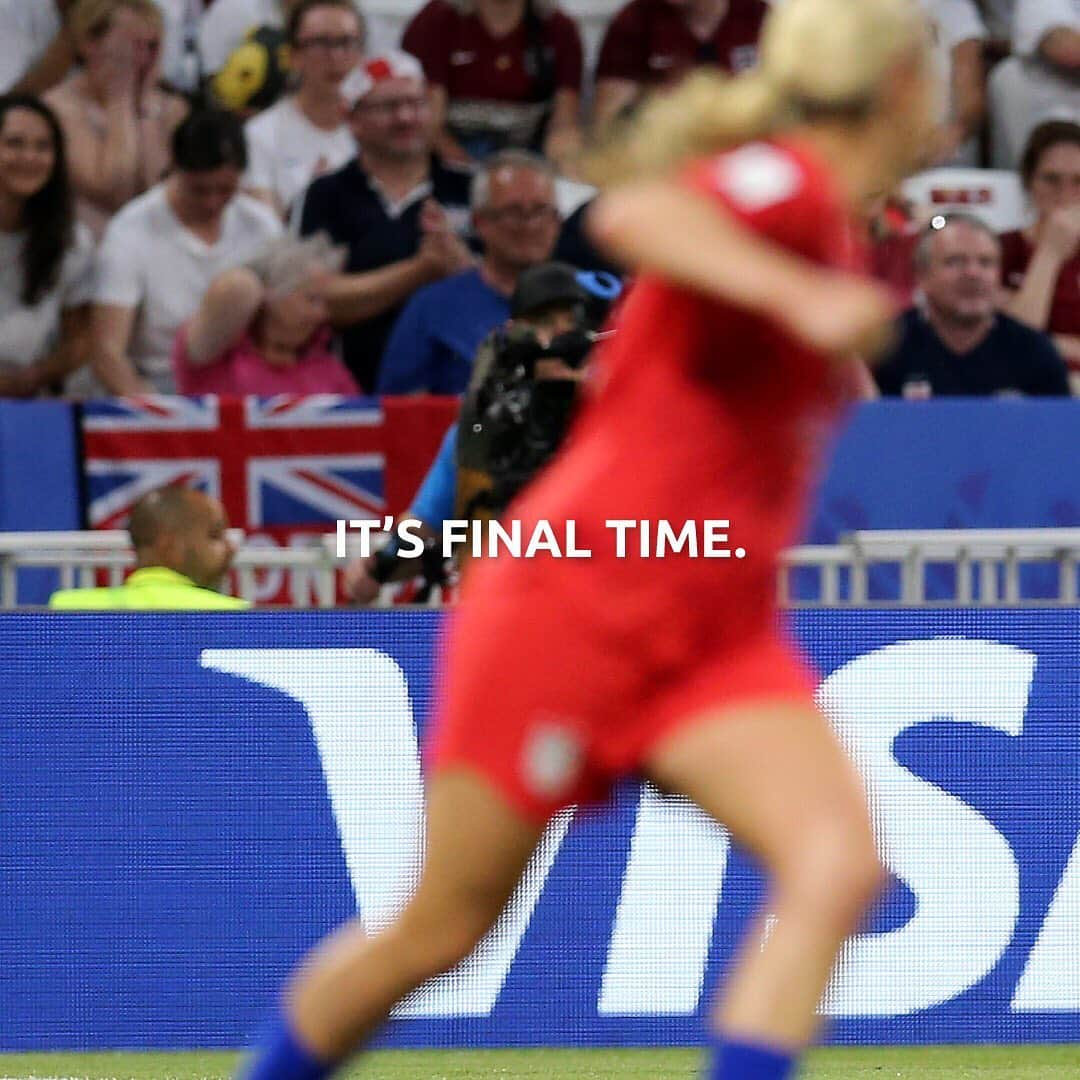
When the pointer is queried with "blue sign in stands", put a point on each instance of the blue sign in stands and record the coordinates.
(947, 463)
(190, 801)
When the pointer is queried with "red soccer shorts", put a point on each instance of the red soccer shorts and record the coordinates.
(553, 714)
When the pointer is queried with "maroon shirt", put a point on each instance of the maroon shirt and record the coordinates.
(649, 42)
(1016, 255)
(892, 262)
(491, 93)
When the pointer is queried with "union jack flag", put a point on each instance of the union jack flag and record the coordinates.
(279, 465)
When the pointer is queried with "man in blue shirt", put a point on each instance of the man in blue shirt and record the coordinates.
(516, 217)
(958, 343)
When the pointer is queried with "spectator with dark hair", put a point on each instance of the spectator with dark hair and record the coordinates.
(435, 339)
(1041, 264)
(1040, 80)
(182, 553)
(162, 251)
(396, 207)
(117, 120)
(503, 73)
(305, 133)
(651, 43)
(46, 260)
(263, 328)
(958, 343)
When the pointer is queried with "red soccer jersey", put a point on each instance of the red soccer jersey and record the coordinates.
(487, 79)
(1016, 255)
(564, 674)
(701, 410)
(649, 42)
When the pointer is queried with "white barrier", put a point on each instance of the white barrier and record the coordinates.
(987, 562)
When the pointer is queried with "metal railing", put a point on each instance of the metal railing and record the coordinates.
(79, 557)
(987, 567)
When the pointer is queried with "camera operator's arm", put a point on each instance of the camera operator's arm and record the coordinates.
(433, 504)
(363, 578)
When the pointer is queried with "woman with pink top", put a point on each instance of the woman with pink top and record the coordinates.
(263, 328)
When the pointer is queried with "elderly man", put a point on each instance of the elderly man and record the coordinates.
(517, 219)
(958, 343)
(181, 556)
(396, 207)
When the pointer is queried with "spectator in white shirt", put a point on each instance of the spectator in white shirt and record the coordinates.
(960, 38)
(117, 120)
(305, 134)
(1042, 79)
(46, 260)
(161, 252)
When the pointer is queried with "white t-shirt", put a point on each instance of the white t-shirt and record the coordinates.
(286, 151)
(29, 334)
(151, 262)
(1034, 19)
(27, 28)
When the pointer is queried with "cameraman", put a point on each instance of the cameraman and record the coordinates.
(522, 391)
(513, 417)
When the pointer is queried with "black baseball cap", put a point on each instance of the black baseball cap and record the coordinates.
(544, 286)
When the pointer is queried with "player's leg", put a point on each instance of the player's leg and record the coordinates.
(778, 779)
(477, 847)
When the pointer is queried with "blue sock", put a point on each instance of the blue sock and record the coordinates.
(730, 1059)
(279, 1056)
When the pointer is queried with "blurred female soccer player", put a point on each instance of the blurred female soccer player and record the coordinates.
(733, 204)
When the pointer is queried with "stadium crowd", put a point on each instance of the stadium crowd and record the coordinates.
(285, 196)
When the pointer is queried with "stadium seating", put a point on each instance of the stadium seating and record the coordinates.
(993, 194)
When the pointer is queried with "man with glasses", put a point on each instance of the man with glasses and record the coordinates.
(397, 207)
(516, 217)
(305, 133)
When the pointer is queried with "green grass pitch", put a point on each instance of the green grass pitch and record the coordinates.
(873, 1063)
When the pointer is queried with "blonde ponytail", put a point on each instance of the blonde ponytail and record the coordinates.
(706, 112)
(816, 57)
